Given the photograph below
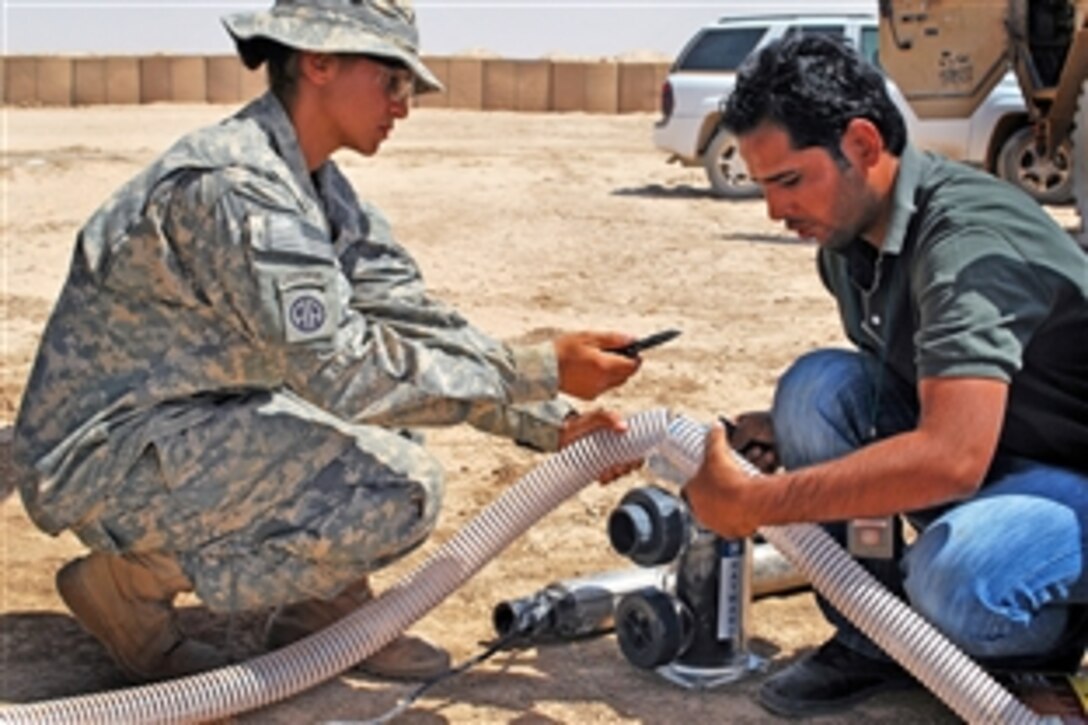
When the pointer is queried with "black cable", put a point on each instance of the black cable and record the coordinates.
(408, 700)
(516, 638)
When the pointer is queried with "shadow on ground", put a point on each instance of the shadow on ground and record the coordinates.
(661, 191)
(49, 656)
(7, 480)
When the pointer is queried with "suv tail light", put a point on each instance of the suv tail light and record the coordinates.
(666, 100)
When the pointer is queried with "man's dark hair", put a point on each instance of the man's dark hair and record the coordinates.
(812, 86)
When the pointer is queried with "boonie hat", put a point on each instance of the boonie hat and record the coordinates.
(382, 28)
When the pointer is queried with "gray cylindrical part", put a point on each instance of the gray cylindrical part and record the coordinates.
(590, 602)
(573, 607)
(772, 573)
(527, 616)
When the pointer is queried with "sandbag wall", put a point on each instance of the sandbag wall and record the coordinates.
(604, 86)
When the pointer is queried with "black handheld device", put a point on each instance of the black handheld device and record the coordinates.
(632, 349)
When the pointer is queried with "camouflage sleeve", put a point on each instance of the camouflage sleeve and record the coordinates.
(534, 425)
(397, 360)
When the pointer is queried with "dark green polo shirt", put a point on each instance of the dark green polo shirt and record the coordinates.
(976, 280)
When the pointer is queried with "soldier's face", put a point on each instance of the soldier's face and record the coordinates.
(365, 100)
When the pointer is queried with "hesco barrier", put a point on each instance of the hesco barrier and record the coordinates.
(497, 84)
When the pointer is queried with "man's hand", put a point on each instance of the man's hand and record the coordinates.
(582, 424)
(753, 437)
(716, 493)
(586, 369)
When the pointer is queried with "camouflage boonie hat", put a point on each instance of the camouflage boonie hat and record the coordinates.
(383, 28)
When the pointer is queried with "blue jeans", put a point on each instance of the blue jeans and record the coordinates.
(997, 573)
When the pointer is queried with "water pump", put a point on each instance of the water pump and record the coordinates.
(691, 630)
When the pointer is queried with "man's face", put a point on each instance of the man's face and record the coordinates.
(808, 189)
(363, 101)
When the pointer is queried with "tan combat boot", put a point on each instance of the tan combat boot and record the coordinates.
(405, 658)
(126, 602)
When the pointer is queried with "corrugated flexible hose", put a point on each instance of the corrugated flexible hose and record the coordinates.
(913, 642)
(964, 686)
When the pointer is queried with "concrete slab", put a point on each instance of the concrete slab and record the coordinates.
(466, 83)
(155, 83)
(22, 80)
(55, 81)
(500, 85)
(90, 81)
(123, 80)
(568, 86)
(188, 83)
(223, 74)
(638, 89)
(534, 85)
(602, 87)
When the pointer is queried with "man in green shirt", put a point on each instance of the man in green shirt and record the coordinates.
(964, 406)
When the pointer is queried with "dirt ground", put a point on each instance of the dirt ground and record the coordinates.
(529, 224)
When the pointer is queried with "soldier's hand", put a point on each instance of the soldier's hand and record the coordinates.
(587, 369)
(582, 424)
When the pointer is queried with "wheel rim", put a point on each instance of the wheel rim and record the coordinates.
(733, 168)
(726, 169)
(1047, 179)
(1043, 174)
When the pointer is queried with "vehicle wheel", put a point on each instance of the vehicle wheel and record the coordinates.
(1080, 171)
(1048, 181)
(726, 170)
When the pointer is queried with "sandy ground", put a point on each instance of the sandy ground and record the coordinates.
(529, 224)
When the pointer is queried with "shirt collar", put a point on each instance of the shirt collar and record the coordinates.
(272, 117)
(911, 164)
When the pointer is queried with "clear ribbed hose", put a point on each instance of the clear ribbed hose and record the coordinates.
(914, 643)
(308, 662)
(967, 689)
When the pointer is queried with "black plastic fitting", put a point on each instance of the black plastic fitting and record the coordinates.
(649, 526)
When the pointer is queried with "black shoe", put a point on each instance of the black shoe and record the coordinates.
(1065, 660)
(830, 679)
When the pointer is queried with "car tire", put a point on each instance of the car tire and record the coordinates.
(1048, 181)
(726, 170)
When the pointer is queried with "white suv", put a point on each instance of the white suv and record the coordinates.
(997, 137)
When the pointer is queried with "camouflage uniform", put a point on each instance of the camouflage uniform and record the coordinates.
(228, 369)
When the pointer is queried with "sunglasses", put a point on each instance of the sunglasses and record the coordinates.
(399, 83)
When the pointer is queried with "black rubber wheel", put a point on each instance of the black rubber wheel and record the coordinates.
(649, 628)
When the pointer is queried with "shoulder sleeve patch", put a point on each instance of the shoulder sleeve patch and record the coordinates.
(298, 273)
(308, 305)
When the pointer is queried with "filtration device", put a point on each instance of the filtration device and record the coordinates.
(691, 627)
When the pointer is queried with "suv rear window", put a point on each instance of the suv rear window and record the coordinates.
(722, 49)
(835, 30)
